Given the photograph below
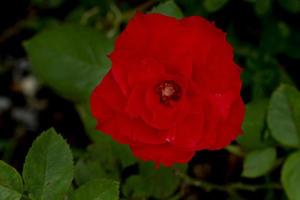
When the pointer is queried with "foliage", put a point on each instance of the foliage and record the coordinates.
(71, 58)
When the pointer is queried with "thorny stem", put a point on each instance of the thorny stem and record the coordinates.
(231, 187)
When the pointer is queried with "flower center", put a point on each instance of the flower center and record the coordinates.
(168, 90)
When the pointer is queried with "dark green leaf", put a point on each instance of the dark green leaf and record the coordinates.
(274, 36)
(168, 8)
(253, 125)
(47, 3)
(284, 116)
(70, 59)
(11, 184)
(86, 170)
(214, 5)
(97, 189)
(110, 154)
(262, 6)
(264, 75)
(48, 168)
(159, 183)
(291, 48)
(290, 176)
(292, 6)
(115, 153)
(258, 163)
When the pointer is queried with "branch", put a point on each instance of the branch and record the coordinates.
(226, 188)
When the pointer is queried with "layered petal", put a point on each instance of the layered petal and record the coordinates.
(165, 154)
(173, 89)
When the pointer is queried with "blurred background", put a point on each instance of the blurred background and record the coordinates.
(265, 35)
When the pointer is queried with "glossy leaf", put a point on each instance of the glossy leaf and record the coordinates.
(48, 168)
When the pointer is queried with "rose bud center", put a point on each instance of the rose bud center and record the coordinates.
(168, 91)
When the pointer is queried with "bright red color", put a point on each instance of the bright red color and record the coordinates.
(173, 89)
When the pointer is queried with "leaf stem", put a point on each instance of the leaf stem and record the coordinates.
(226, 188)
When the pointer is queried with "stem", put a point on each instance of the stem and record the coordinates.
(226, 188)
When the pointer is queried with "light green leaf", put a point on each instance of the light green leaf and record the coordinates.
(292, 6)
(253, 125)
(168, 8)
(214, 5)
(258, 163)
(48, 168)
(11, 184)
(97, 189)
(290, 176)
(70, 59)
(159, 183)
(284, 116)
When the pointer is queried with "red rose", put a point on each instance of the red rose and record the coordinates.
(173, 89)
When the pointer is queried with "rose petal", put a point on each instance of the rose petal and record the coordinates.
(165, 154)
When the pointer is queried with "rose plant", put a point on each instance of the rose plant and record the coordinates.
(173, 89)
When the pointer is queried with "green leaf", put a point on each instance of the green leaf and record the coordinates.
(262, 7)
(169, 8)
(86, 170)
(274, 37)
(97, 189)
(11, 184)
(48, 168)
(8, 194)
(70, 59)
(290, 176)
(47, 3)
(291, 48)
(264, 77)
(292, 6)
(110, 154)
(258, 163)
(214, 5)
(159, 183)
(284, 116)
(115, 155)
(253, 125)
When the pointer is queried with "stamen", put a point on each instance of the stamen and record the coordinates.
(168, 90)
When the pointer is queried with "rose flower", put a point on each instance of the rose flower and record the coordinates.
(173, 89)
